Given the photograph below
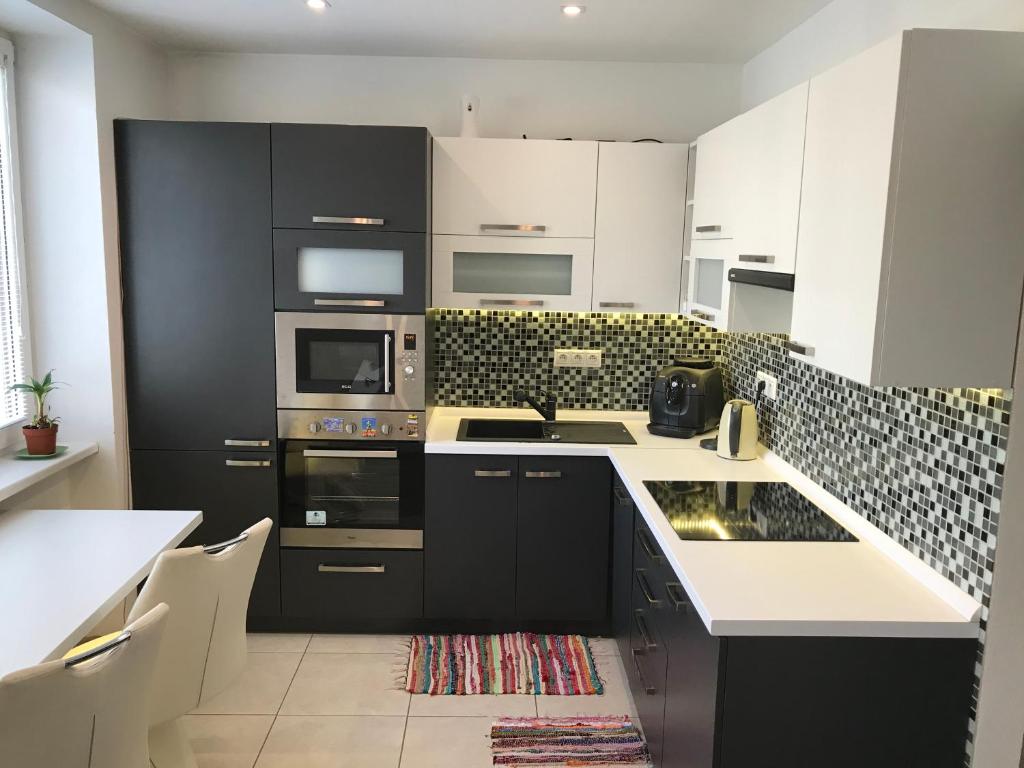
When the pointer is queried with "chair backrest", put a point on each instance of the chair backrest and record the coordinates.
(88, 710)
(208, 591)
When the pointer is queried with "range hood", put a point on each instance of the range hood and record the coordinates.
(782, 281)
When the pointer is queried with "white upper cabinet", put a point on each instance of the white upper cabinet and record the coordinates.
(641, 209)
(910, 254)
(514, 187)
(719, 165)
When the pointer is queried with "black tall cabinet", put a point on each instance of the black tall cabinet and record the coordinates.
(197, 275)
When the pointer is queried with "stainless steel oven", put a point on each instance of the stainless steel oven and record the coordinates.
(351, 361)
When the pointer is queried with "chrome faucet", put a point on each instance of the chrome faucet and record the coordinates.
(548, 410)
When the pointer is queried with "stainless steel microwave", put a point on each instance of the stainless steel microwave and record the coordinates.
(351, 361)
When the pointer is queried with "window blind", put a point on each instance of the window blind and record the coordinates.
(12, 342)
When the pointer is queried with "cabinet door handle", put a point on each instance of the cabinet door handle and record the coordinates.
(703, 315)
(800, 349)
(757, 258)
(511, 302)
(327, 568)
(554, 474)
(536, 228)
(492, 473)
(645, 634)
(616, 304)
(648, 689)
(236, 443)
(680, 604)
(367, 220)
(648, 547)
(247, 462)
(645, 589)
(316, 453)
(709, 228)
(349, 302)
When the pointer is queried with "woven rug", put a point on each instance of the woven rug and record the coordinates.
(567, 741)
(520, 662)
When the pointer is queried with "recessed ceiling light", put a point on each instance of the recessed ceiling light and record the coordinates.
(318, 5)
(572, 11)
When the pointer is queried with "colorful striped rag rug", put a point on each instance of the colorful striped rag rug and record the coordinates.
(567, 741)
(521, 662)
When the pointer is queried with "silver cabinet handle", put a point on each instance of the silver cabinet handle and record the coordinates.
(680, 604)
(318, 453)
(616, 304)
(368, 220)
(648, 689)
(757, 258)
(539, 228)
(492, 473)
(387, 363)
(235, 443)
(709, 228)
(645, 633)
(703, 315)
(511, 303)
(325, 568)
(555, 474)
(247, 462)
(349, 302)
(800, 349)
(645, 589)
(648, 547)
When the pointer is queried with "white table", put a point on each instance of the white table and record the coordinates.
(63, 570)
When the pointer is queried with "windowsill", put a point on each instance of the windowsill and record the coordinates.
(17, 475)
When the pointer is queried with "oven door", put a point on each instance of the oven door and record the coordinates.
(335, 271)
(349, 362)
(350, 495)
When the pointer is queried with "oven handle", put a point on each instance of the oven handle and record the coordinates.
(387, 363)
(315, 453)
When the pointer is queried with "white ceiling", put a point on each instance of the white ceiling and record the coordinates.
(719, 31)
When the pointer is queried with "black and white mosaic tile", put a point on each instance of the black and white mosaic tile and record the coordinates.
(924, 465)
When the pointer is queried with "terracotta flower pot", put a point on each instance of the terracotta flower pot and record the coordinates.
(40, 442)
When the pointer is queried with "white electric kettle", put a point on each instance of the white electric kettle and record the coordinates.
(737, 431)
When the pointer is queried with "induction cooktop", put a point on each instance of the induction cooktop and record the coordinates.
(743, 511)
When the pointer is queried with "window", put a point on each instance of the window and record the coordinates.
(13, 362)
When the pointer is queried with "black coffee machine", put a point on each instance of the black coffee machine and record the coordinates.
(686, 399)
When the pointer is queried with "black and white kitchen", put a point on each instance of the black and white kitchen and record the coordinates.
(424, 385)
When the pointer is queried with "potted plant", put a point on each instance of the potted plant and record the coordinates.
(41, 433)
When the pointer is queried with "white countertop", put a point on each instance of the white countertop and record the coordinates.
(63, 570)
(871, 588)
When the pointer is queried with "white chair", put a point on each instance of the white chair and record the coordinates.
(204, 648)
(88, 710)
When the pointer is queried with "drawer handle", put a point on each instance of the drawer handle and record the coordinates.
(368, 220)
(492, 473)
(511, 302)
(555, 474)
(616, 304)
(645, 589)
(236, 443)
(316, 453)
(709, 228)
(247, 462)
(325, 568)
(679, 603)
(648, 547)
(537, 228)
(645, 635)
(349, 302)
(648, 689)
(800, 349)
(757, 258)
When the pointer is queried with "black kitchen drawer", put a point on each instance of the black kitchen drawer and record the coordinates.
(382, 584)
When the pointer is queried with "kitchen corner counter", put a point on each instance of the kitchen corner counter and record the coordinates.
(17, 475)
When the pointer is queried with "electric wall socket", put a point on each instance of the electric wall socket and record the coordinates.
(771, 384)
(578, 358)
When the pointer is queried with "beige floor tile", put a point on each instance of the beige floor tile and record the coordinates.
(481, 705)
(260, 689)
(616, 699)
(333, 742)
(346, 684)
(603, 646)
(446, 742)
(227, 741)
(270, 642)
(396, 644)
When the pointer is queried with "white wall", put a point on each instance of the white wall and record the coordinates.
(543, 99)
(845, 27)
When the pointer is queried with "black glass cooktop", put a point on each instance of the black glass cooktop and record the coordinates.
(743, 511)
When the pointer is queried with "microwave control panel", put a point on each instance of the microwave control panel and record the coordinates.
(351, 425)
(409, 358)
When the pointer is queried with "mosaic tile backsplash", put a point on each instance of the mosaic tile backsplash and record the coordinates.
(924, 465)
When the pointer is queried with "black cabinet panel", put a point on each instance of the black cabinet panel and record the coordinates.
(646, 667)
(231, 498)
(351, 171)
(352, 583)
(197, 274)
(470, 537)
(622, 565)
(562, 549)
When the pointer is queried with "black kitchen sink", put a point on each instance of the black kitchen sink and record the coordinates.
(534, 431)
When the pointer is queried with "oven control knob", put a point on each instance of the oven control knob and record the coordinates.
(385, 429)
(314, 427)
(409, 370)
(350, 428)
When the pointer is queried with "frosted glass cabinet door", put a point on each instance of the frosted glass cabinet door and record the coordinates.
(380, 272)
(516, 273)
(709, 285)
